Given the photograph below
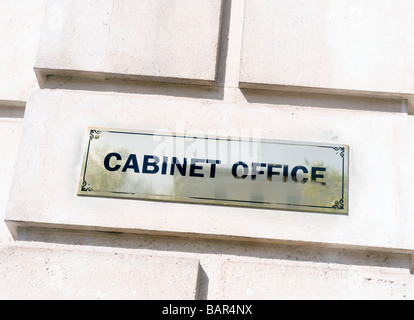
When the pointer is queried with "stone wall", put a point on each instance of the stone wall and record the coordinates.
(334, 72)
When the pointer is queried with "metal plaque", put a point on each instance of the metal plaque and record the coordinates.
(217, 170)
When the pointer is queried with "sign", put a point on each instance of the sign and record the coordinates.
(214, 170)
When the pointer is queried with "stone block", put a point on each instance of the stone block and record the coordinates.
(20, 25)
(48, 170)
(27, 273)
(329, 46)
(10, 133)
(310, 280)
(161, 40)
(74, 36)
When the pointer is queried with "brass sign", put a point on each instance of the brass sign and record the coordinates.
(207, 169)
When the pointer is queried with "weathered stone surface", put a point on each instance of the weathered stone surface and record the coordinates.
(27, 273)
(55, 134)
(315, 280)
(162, 40)
(20, 25)
(336, 45)
(10, 133)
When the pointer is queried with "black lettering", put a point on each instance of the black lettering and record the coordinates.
(270, 171)
(131, 163)
(254, 169)
(285, 173)
(315, 175)
(108, 159)
(245, 170)
(153, 164)
(181, 168)
(295, 171)
(213, 163)
(164, 165)
(194, 167)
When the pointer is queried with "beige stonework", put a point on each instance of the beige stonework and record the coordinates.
(20, 25)
(161, 40)
(342, 74)
(341, 46)
(56, 129)
(27, 273)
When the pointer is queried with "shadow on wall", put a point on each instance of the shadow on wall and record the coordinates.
(11, 111)
(202, 284)
(257, 96)
(199, 246)
(328, 101)
(135, 87)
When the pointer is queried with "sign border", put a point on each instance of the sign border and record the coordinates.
(340, 206)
